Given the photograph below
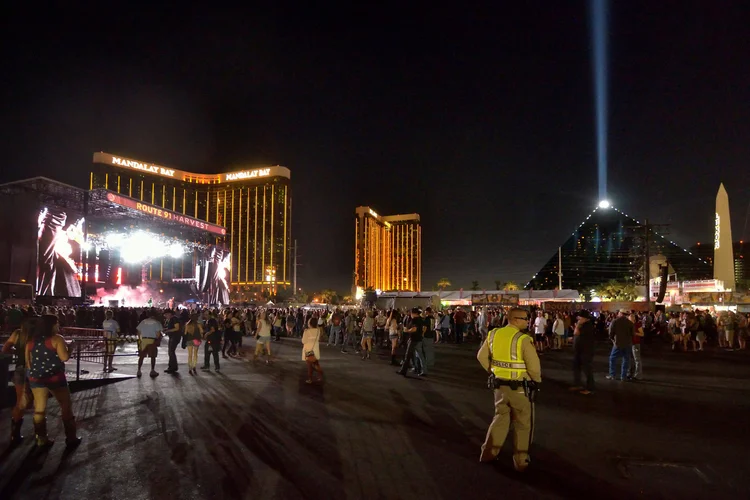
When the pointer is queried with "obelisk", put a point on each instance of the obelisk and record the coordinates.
(723, 252)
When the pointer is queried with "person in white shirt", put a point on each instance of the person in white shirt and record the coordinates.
(111, 330)
(149, 332)
(558, 327)
(311, 350)
(263, 337)
(540, 325)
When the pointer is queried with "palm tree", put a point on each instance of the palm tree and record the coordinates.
(329, 296)
(443, 283)
(616, 290)
(498, 285)
(475, 285)
(510, 286)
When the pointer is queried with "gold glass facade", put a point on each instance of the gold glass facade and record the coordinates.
(255, 206)
(388, 251)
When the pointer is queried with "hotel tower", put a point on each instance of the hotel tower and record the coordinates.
(388, 252)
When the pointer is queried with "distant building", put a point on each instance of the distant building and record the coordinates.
(740, 250)
(606, 246)
(723, 251)
(388, 251)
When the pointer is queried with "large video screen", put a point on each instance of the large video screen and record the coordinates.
(59, 244)
(213, 272)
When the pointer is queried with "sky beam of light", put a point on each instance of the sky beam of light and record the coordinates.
(599, 70)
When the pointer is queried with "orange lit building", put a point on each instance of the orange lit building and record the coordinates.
(388, 251)
(254, 205)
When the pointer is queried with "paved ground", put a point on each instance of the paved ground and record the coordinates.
(261, 432)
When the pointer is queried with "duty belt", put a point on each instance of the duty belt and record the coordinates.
(510, 366)
(513, 384)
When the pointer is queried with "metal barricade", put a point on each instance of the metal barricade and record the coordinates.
(84, 344)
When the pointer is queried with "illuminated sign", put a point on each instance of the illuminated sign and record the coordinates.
(247, 174)
(717, 233)
(154, 169)
(164, 213)
(119, 161)
(372, 212)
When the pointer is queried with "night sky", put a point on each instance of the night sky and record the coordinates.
(479, 119)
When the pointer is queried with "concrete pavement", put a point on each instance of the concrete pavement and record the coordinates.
(261, 432)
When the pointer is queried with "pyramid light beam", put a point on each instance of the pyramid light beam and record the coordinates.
(599, 69)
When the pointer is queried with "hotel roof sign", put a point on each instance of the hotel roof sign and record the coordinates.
(172, 173)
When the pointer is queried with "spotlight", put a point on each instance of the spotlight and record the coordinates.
(604, 204)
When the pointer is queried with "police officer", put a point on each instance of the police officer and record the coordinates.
(509, 356)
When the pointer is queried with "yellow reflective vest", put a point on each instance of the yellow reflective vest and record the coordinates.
(505, 348)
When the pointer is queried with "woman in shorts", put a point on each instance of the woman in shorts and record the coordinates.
(193, 339)
(368, 330)
(263, 337)
(17, 343)
(46, 354)
(392, 325)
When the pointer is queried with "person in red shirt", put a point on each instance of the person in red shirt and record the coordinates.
(638, 369)
(459, 319)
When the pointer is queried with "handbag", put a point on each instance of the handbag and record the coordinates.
(310, 355)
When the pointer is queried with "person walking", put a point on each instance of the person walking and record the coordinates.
(311, 350)
(381, 339)
(335, 332)
(558, 329)
(540, 326)
(350, 335)
(368, 330)
(584, 338)
(111, 335)
(392, 327)
(263, 338)
(212, 334)
(459, 320)
(17, 344)
(46, 354)
(193, 340)
(415, 330)
(509, 356)
(172, 328)
(621, 333)
(149, 335)
(428, 341)
(638, 367)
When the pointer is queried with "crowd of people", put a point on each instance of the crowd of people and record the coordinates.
(408, 335)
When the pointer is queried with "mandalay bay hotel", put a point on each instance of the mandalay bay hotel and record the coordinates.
(388, 252)
(255, 206)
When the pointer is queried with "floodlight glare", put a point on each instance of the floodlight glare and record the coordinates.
(604, 204)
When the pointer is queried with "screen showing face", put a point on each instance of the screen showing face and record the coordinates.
(59, 243)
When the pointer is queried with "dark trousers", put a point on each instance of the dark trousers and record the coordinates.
(410, 347)
(174, 342)
(583, 362)
(460, 333)
(210, 348)
(231, 341)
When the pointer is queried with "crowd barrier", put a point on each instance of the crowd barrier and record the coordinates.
(85, 344)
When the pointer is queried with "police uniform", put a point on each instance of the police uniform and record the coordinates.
(513, 360)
